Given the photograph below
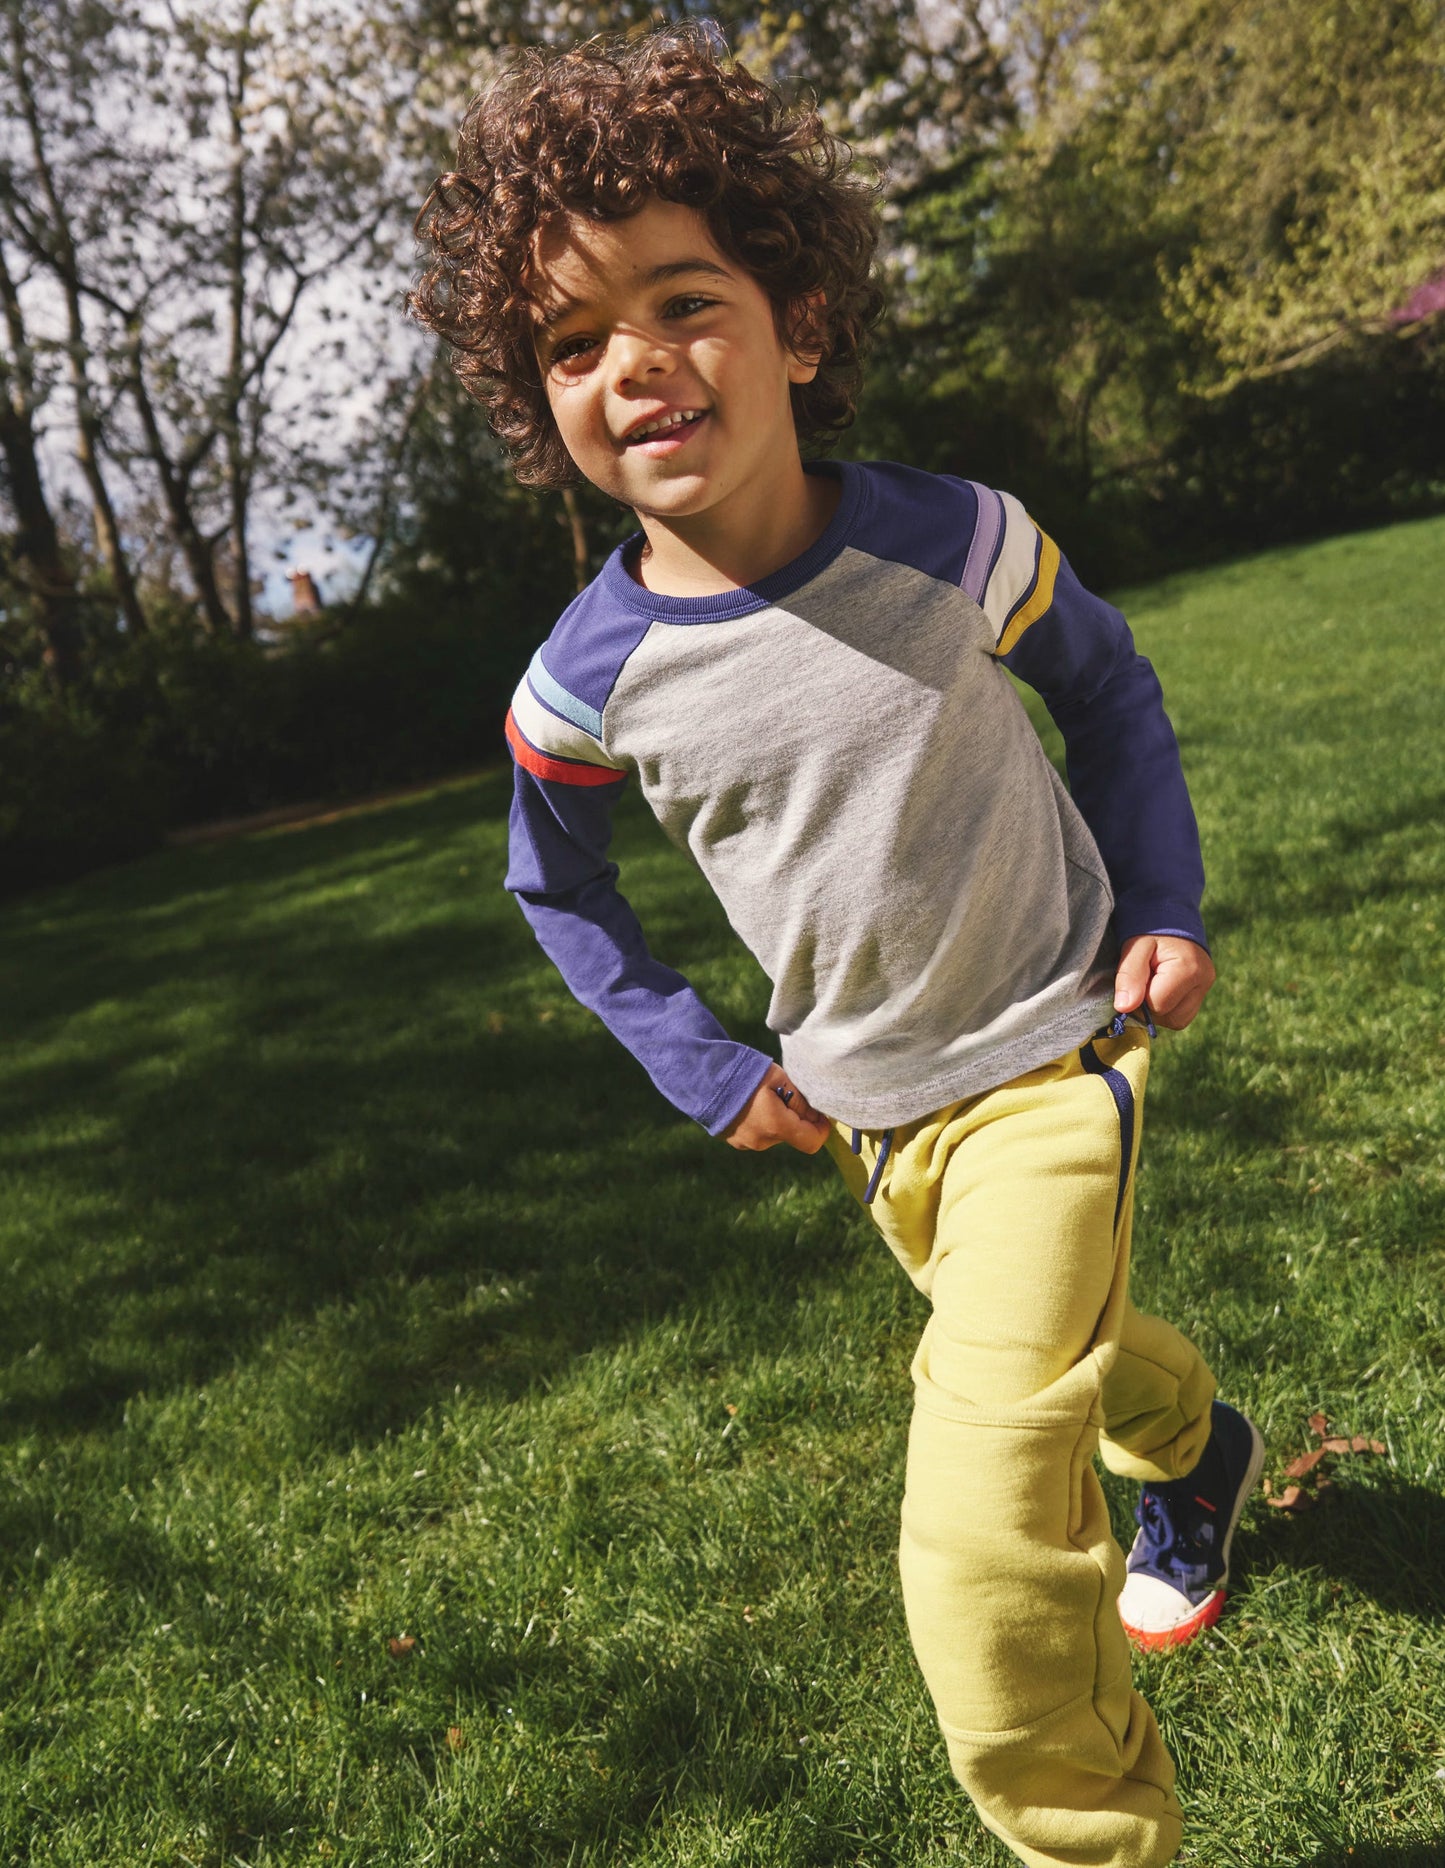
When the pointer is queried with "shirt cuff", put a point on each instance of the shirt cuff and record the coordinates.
(737, 1090)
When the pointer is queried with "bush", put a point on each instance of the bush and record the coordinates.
(74, 793)
(180, 728)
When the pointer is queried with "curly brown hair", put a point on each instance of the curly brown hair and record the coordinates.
(600, 129)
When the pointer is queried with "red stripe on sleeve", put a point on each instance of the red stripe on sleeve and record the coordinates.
(562, 771)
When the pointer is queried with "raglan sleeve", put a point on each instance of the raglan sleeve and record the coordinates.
(565, 789)
(1123, 762)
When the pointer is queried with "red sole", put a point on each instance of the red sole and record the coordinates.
(1154, 1638)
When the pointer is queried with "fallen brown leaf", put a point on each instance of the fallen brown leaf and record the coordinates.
(1304, 1465)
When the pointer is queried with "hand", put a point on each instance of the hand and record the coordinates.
(1168, 974)
(767, 1120)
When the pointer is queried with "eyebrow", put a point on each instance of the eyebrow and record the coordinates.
(655, 275)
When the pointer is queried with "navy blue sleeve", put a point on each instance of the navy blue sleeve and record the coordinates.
(1122, 757)
(567, 888)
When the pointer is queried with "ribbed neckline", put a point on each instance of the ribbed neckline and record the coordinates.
(621, 587)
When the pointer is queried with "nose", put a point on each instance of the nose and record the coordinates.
(636, 353)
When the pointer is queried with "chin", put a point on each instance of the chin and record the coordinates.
(684, 506)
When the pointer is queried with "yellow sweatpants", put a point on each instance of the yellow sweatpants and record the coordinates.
(1011, 1212)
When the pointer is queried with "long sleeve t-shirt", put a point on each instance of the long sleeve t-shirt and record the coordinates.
(840, 750)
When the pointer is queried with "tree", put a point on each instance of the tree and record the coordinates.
(1111, 305)
(909, 80)
(1302, 143)
(76, 341)
(46, 576)
(211, 193)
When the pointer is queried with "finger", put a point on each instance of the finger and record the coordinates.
(1167, 993)
(805, 1128)
(810, 1132)
(800, 1106)
(1131, 982)
(1182, 1014)
(770, 1127)
(1179, 987)
(751, 1138)
(792, 1098)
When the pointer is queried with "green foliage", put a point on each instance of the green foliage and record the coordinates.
(468, 537)
(1304, 144)
(74, 793)
(1143, 254)
(359, 1287)
(1036, 344)
(1028, 347)
(181, 728)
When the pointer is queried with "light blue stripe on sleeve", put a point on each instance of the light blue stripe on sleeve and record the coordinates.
(560, 701)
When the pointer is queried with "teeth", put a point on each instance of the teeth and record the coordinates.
(668, 421)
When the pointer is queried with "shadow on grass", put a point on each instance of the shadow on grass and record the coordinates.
(1354, 861)
(1210, 1096)
(1382, 1539)
(287, 1084)
(1381, 1855)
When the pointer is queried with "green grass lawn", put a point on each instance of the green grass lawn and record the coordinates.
(422, 1446)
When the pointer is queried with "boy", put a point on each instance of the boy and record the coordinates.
(655, 277)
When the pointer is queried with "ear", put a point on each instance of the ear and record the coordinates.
(806, 344)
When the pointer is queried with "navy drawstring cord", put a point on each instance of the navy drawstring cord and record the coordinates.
(883, 1147)
(1116, 1030)
(877, 1174)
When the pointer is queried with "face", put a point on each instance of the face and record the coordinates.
(663, 366)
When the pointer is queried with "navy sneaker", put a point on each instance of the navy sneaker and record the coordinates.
(1179, 1566)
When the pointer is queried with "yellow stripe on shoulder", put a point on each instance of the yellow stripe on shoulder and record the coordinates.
(1039, 598)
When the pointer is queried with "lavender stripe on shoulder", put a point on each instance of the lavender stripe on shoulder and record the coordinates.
(987, 529)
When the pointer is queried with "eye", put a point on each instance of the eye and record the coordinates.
(688, 305)
(570, 350)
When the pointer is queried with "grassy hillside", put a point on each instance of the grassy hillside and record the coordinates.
(421, 1446)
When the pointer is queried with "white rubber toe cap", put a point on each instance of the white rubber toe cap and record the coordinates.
(1155, 1614)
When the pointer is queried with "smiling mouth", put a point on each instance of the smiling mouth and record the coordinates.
(666, 428)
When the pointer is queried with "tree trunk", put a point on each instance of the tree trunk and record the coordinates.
(87, 445)
(237, 474)
(382, 527)
(577, 525)
(107, 530)
(197, 552)
(37, 542)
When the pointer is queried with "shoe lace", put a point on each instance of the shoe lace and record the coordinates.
(1178, 1534)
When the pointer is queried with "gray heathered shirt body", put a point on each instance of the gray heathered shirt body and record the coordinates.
(861, 786)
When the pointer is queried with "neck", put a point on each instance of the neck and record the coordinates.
(738, 543)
